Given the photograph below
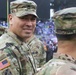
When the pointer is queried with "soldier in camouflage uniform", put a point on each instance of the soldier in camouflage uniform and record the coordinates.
(64, 61)
(15, 56)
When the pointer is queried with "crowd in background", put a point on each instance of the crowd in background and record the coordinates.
(3, 24)
(45, 31)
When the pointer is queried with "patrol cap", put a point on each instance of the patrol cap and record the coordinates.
(65, 21)
(21, 8)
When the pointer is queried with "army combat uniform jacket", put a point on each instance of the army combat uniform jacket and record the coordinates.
(14, 60)
(37, 49)
(61, 65)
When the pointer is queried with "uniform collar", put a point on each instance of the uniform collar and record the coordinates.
(65, 57)
(14, 36)
(30, 39)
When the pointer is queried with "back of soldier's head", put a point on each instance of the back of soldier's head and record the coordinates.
(65, 22)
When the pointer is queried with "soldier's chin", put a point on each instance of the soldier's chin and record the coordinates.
(28, 35)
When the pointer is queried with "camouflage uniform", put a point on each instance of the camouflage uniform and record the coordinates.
(62, 64)
(58, 65)
(37, 49)
(14, 57)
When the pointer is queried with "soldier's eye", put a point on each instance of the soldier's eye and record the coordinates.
(22, 17)
(34, 18)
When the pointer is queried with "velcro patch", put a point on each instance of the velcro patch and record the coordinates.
(4, 64)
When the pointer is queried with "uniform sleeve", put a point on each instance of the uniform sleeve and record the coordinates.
(7, 67)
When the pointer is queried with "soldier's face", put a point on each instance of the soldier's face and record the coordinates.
(23, 27)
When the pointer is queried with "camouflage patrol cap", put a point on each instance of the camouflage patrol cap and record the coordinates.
(23, 7)
(65, 21)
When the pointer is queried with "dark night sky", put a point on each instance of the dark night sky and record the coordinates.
(60, 4)
(3, 9)
(43, 7)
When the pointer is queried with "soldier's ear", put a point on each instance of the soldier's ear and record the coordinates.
(10, 18)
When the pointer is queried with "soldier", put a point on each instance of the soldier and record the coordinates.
(64, 61)
(14, 58)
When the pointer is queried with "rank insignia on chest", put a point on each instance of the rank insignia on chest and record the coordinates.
(4, 64)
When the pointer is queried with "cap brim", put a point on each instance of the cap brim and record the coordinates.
(24, 13)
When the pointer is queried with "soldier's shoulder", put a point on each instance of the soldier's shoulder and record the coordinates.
(2, 55)
(6, 40)
(6, 64)
(67, 69)
(58, 68)
(3, 40)
(3, 36)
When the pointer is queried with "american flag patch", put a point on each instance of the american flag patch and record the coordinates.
(4, 63)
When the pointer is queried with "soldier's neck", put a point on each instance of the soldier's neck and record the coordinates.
(28, 39)
(67, 47)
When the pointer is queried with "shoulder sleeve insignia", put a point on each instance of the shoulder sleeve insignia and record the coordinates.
(4, 64)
